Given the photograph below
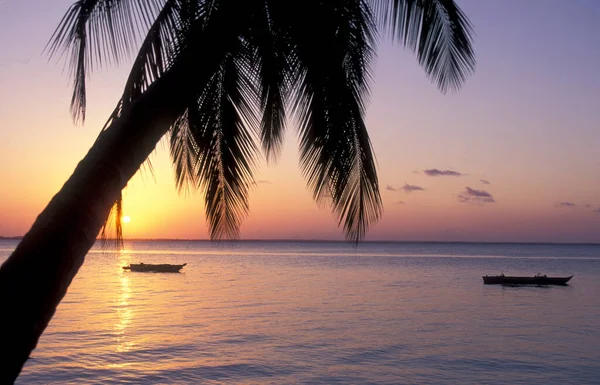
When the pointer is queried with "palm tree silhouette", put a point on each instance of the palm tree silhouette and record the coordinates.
(220, 78)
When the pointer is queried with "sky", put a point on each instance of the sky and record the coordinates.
(514, 156)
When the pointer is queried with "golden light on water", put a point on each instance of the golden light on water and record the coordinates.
(124, 312)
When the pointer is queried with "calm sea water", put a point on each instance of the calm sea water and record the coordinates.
(324, 313)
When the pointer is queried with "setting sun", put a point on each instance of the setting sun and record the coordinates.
(126, 219)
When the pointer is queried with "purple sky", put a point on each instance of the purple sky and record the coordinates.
(527, 122)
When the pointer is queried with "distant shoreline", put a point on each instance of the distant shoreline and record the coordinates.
(19, 237)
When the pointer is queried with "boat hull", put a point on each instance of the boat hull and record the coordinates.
(147, 268)
(536, 280)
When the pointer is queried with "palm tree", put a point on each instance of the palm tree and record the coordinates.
(218, 76)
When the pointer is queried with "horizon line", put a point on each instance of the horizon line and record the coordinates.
(304, 240)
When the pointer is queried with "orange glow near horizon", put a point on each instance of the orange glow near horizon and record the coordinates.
(283, 209)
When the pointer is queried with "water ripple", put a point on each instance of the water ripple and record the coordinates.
(286, 313)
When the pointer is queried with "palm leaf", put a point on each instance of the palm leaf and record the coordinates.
(114, 218)
(184, 150)
(154, 56)
(93, 32)
(438, 31)
(273, 49)
(213, 148)
(334, 60)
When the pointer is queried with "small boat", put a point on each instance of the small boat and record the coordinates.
(537, 279)
(148, 267)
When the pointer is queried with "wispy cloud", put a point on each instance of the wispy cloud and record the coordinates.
(565, 204)
(471, 195)
(400, 203)
(407, 188)
(587, 205)
(485, 181)
(410, 188)
(597, 210)
(436, 172)
(416, 172)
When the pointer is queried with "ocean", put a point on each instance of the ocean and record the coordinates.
(258, 312)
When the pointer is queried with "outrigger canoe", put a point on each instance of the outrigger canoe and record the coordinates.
(535, 280)
(148, 267)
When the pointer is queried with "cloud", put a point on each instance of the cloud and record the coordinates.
(566, 204)
(475, 196)
(416, 172)
(485, 181)
(410, 188)
(400, 203)
(597, 210)
(587, 205)
(436, 172)
(407, 188)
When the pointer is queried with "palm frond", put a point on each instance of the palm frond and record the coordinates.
(153, 56)
(96, 31)
(273, 50)
(184, 150)
(335, 59)
(182, 32)
(226, 170)
(212, 146)
(438, 31)
(110, 233)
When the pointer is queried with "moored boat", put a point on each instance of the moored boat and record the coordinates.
(535, 280)
(158, 268)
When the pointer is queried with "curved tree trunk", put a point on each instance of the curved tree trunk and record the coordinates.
(36, 276)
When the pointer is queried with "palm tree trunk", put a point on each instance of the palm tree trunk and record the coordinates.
(37, 274)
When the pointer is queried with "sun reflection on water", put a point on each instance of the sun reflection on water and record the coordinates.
(124, 312)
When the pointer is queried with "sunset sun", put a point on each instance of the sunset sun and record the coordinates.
(126, 219)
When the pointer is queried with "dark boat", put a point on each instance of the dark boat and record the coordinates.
(535, 280)
(148, 267)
